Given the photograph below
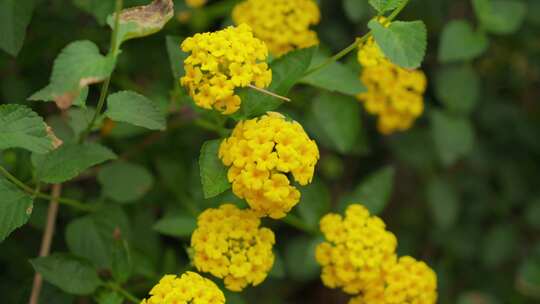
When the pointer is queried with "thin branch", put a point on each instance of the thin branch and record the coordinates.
(269, 93)
(46, 241)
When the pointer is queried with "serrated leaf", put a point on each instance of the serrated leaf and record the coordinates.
(373, 192)
(98, 8)
(14, 18)
(339, 117)
(124, 182)
(458, 87)
(178, 226)
(385, 5)
(78, 65)
(69, 161)
(70, 273)
(459, 42)
(500, 16)
(140, 21)
(453, 136)
(15, 208)
(443, 203)
(336, 77)
(213, 172)
(80, 118)
(133, 108)
(176, 56)
(286, 72)
(404, 43)
(20, 127)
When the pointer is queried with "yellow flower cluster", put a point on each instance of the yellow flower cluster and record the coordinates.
(228, 243)
(394, 93)
(282, 24)
(195, 3)
(222, 61)
(356, 251)
(260, 153)
(407, 281)
(188, 288)
(359, 257)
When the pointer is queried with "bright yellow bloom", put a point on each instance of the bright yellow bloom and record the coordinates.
(188, 288)
(222, 61)
(282, 24)
(261, 152)
(407, 281)
(195, 3)
(229, 244)
(357, 249)
(394, 94)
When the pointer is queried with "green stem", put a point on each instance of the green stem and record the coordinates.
(113, 51)
(294, 221)
(355, 44)
(29, 190)
(115, 287)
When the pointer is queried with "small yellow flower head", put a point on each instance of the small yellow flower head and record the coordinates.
(229, 244)
(282, 24)
(190, 288)
(222, 61)
(261, 153)
(406, 281)
(369, 54)
(356, 251)
(195, 3)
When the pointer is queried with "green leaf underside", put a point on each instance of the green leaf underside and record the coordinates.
(69, 161)
(286, 71)
(336, 77)
(78, 65)
(404, 43)
(339, 118)
(20, 127)
(14, 18)
(213, 172)
(459, 42)
(136, 109)
(70, 273)
(178, 226)
(124, 182)
(15, 208)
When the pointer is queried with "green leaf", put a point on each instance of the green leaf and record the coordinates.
(459, 42)
(80, 118)
(532, 213)
(287, 70)
(356, 10)
(339, 117)
(528, 276)
(69, 161)
(500, 16)
(70, 273)
(20, 127)
(110, 297)
(314, 203)
(133, 108)
(213, 172)
(499, 244)
(141, 21)
(458, 87)
(336, 77)
(15, 208)
(124, 182)
(453, 136)
(385, 5)
(176, 56)
(404, 43)
(300, 258)
(14, 18)
(179, 226)
(443, 202)
(122, 265)
(77, 66)
(98, 8)
(374, 192)
(475, 297)
(278, 269)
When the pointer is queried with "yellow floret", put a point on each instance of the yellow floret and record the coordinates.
(261, 152)
(188, 288)
(282, 24)
(229, 244)
(357, 249)
(222, 61)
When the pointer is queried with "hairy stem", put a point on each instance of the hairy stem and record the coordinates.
(46, 241)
